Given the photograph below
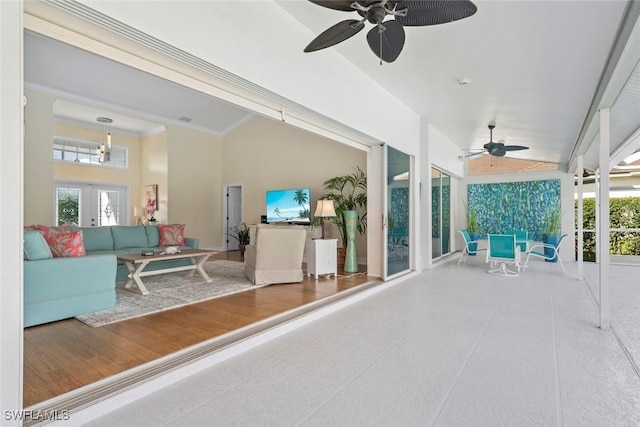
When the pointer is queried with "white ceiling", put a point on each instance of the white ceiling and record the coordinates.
(138, 102)
(534, 68)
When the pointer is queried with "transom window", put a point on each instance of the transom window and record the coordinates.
(88, 153)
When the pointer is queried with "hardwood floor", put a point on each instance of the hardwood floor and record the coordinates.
(65, 355)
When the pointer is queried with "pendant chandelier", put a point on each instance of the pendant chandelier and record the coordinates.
(103, 149)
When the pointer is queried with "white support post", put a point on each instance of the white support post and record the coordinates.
(579, 225)
(603, 226)
(11, 175)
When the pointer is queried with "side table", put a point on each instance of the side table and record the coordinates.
(322, 257)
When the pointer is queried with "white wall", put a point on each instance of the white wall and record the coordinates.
(443, 153)
(261, 47)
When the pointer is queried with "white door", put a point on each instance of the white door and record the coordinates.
(90, 205)
(233, 215)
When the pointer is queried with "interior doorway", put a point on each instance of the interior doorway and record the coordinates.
(232, 215)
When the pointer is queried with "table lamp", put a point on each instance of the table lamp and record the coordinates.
(324, 210)
(137, 212)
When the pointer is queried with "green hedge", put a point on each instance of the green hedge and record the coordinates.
(624, 213)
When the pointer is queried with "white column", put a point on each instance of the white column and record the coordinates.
(579, 227)
(11, 179)
(603, 226)
(375, 194)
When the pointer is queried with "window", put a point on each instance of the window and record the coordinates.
(87, 152)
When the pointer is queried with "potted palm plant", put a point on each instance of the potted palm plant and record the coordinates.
(473, 229)
(349, 193)
(242, 235)
(551, 234)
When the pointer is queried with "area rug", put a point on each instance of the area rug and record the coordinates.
(167, 291)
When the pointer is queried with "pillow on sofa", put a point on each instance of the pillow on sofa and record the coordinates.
(46, 230)
(128, 236)
(153, 235)
(171, 235)
(35, 247)
(65, 244)
(96, 238)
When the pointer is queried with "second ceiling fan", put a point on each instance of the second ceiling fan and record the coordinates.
(386, 39)
(498, 149)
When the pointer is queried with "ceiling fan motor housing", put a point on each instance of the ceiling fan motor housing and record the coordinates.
(375, 15)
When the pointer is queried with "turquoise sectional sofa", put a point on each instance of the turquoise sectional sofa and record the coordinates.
(60, 288)
(124, 239)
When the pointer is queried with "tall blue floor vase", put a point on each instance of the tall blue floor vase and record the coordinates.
(351, 260)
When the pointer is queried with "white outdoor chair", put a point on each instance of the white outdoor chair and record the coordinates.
(470, 246)
(502, 250)
(550, 254)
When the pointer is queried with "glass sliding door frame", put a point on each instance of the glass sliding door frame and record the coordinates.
(441, 213)
(398, 206)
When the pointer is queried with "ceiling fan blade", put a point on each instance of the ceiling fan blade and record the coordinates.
(514, 147)
(433, 12)
(386, 44)
(336, 34)
(475, 154)
(344, 5)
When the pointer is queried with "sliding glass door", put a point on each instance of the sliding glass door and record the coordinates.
(398, 205)
(440, 213)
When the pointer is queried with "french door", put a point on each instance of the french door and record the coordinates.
(90, 205)
(398, 205)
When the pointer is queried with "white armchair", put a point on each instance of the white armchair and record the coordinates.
(275, 256)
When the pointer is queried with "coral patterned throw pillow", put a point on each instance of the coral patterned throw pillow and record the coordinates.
(65, 244)
(45, 230)
(171, 235)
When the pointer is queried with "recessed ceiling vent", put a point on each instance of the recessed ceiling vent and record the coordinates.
(185, 119)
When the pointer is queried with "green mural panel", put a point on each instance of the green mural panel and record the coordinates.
(507, 206)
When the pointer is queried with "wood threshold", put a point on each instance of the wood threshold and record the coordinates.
(37, 360)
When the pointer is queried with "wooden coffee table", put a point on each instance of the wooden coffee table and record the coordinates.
(136, 263)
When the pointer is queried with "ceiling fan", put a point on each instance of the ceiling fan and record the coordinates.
(498, 149)
(386, 39)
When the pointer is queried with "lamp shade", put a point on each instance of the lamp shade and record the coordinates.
(137, 211)
(325, 209)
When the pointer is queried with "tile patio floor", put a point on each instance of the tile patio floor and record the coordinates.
(453, 346)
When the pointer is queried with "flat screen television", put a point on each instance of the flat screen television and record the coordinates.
(289, 206)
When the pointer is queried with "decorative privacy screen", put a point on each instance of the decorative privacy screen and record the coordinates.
(510, 206)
